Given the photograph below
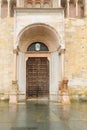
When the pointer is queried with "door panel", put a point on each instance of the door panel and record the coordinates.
(37, 77)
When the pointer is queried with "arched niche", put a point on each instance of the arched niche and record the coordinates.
(37, 46)
(41, 33)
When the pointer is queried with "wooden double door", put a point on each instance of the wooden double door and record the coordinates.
(37, 77)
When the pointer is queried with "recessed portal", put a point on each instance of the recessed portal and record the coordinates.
(37, 77)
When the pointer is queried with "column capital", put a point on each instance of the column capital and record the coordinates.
(76, 8)
(15, 51)
(62, 51)
(68, 7)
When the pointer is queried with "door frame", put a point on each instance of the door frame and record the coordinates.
(54, 73)
(39, 54)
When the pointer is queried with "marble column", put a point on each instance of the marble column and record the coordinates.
(13, 96)
(18, 3)
(33, 3)
(68, 8)
(62, 53)
(59, 3)
(15, 65)
(22, 3)
(8, 8)
(55, 3)
(76, 8)
(85, 8)
(0, 8)
(42, 3)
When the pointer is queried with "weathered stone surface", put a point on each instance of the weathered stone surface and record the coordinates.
(75, 57)
(6, 56)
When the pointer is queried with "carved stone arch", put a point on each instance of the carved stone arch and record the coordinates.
(39, 32)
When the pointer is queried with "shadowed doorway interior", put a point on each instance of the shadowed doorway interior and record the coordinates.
(37, 77)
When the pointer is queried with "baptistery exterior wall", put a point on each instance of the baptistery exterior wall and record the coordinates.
(75, 56)
(71, 31)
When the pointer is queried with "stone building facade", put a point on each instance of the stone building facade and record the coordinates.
(28, 27)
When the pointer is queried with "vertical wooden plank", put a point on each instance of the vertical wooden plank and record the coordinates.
(37, 72)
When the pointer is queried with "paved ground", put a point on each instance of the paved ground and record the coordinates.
(41, 115)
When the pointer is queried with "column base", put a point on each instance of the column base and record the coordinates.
(59, 97)
(21, 97)
(54, 97)
(13, 96)
(65, 98)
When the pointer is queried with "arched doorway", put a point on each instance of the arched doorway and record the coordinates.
(31, 44)
(37, 73)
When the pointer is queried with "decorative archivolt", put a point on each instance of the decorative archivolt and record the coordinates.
(39, 32)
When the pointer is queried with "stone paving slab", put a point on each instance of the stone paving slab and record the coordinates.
(36, 115)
